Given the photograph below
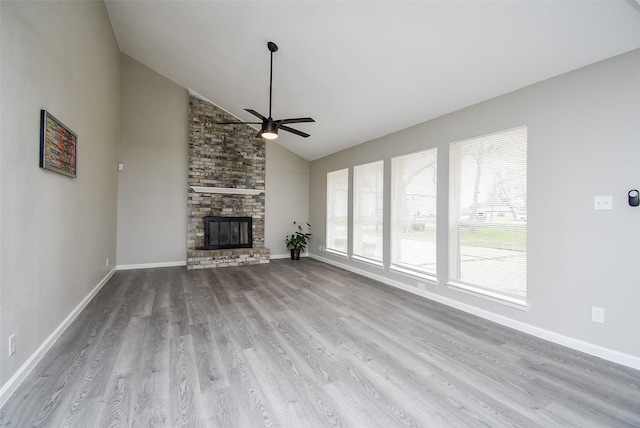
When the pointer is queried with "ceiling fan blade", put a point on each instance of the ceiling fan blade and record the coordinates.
(294, 131)
(255, 113)
(296, 120)
(238, 123)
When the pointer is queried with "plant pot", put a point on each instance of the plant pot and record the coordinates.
(295, 254)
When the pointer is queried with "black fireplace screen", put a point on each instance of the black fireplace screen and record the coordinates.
(227, 232)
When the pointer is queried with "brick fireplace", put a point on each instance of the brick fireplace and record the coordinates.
(226, 180)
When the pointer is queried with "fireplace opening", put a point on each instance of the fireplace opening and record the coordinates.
(227, 232)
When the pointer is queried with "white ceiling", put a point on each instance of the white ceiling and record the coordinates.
(366, 69)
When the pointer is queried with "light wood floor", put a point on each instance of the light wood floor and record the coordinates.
(305, 344)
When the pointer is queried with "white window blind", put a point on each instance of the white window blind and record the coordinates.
(368, 211)
(337, 210)
(413, 211)
(488, 210)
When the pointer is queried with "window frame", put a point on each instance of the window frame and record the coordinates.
(455, 279)
(328, 233)
(356, 250)
(395, 263)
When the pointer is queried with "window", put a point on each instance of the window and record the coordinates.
(337, 210)
(488, 209)
(368, 211)
(413, 212)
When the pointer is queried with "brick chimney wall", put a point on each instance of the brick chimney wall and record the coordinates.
(226, 156)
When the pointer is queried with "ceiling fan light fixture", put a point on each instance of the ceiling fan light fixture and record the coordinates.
(269, 131)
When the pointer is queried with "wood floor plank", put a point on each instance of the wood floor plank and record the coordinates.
(280, 392)
(115, 412)
(197, 299)
(244, 385)
(151, 386)
(184, 387)
(345, 413)
(511, 403)
(132, 346)
(211, 371)
(144, 303)
(305, 344)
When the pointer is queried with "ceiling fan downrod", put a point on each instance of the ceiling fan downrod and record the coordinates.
(272, 48)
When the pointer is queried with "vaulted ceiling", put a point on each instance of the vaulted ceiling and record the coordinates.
(366, 69)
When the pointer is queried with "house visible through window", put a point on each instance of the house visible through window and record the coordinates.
(413, 212)
(488, 215)
(338, 210)
(368, 211)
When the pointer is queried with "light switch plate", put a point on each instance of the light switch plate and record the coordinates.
(603, 202)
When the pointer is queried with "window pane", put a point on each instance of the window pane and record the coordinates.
(489, 212)
(368, 210)
(337, 210)
(413, 211)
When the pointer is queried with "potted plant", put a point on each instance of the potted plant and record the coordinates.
(298, 241)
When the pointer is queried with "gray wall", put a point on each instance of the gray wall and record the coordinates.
(152, 188)
(287, 196)
(584, 140)
(57, 232)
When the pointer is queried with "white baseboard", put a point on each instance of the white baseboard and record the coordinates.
(150, 265)
(569, 342)
(286, 256)
(24, 370)
(279, 256)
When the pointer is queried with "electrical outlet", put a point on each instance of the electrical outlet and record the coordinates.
(597, 315)
(422, 285)
(107, 263)
(12, 344)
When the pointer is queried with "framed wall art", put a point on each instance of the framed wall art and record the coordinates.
(58, 146)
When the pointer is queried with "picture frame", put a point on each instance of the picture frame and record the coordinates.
(58, 146)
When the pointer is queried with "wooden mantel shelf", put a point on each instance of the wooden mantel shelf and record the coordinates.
(227, 190)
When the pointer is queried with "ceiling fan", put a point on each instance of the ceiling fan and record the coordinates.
(270, 126)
